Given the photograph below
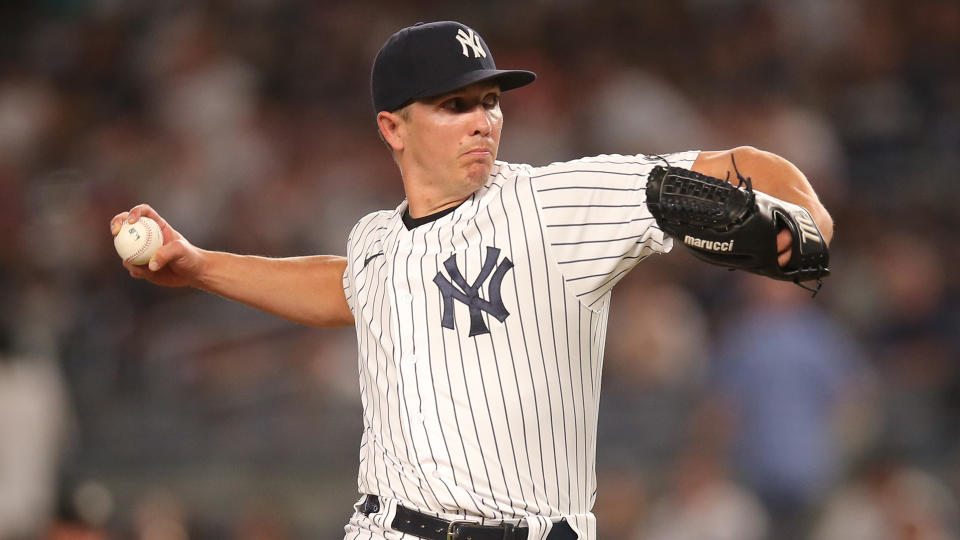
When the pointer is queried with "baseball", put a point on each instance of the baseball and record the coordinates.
(137, 242)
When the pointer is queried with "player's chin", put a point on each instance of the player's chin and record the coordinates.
(477, 172)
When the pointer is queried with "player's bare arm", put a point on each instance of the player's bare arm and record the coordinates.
(774, 176)
(306, 290)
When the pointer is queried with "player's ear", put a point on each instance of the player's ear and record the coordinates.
(390, 129)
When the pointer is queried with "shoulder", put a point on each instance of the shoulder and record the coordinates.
(373, 221)
(615, 172)
(614, 164)
(380, 217)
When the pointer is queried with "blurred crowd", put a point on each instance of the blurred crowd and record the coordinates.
(733, 407)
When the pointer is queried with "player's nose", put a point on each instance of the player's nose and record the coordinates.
(481, 122)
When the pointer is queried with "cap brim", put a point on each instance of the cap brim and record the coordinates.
(508, 79)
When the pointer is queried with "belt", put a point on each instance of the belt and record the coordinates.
(422, 525)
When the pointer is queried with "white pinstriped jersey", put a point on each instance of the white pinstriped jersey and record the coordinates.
(481, 338)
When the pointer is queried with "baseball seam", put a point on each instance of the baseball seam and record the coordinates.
(145, 245)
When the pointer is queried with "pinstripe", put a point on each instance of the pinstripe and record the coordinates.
(523, 335)
(578, 278)
(527, 392)
(483, 387)
(591, 188)
(603, 241)
(362, 241)
(370, 406)
(463, 372)
(403, 406)
(566, 206)
(591, 259)
(377, 409)
(556, 356)
(580, 315)
(386, 416)
(649, 160)
(533, 297)
(617, 275)
(479, 507)
(466, 269)
(594, 382)
(586, 171)
(513, 451)
(453, 472)
(416, 383)
(645, 218)
(582, 465)
(430, 372)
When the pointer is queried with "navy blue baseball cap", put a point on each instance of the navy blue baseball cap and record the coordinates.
(429, 59)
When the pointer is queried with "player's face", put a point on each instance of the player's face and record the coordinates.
(452, 139)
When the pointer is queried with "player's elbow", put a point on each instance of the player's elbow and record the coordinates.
(752, 157)
(747, 152)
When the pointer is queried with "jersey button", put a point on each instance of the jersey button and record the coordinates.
(419, 418)
(404, 297)
(412, 359)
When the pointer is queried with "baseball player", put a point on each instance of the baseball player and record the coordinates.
(480, 302)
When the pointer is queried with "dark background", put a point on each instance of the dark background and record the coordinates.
(731, 404)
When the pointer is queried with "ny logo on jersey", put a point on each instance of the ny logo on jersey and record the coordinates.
(471, 40)
(461, 291)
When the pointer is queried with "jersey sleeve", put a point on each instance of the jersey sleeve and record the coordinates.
(596, 220)
(348, 282)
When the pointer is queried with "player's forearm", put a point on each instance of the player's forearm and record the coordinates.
(307, 290)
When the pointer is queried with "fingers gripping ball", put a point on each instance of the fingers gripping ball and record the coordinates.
(137, 242)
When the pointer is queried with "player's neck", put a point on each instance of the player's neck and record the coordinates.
(419, 209)
(424, 199)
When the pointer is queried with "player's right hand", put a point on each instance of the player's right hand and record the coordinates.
(176, 264)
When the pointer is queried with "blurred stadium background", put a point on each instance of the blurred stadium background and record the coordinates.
(733, 407)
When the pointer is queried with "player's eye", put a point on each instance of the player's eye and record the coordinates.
(491, 100)
(454, 105)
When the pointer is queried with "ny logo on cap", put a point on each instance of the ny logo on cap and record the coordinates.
(473, 41)
(469, 294)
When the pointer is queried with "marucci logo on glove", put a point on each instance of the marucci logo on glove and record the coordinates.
(708, 245)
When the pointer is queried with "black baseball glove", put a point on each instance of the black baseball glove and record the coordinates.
(736, 226)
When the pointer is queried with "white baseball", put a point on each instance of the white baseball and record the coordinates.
(137, 242)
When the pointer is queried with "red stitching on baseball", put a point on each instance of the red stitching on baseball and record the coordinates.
(145, 244)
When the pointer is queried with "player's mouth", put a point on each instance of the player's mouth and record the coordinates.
(478, 157)
(481, 151)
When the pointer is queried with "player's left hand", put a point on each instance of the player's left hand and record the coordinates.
(736, 226)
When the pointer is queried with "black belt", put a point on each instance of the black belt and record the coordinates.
(422, 525)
